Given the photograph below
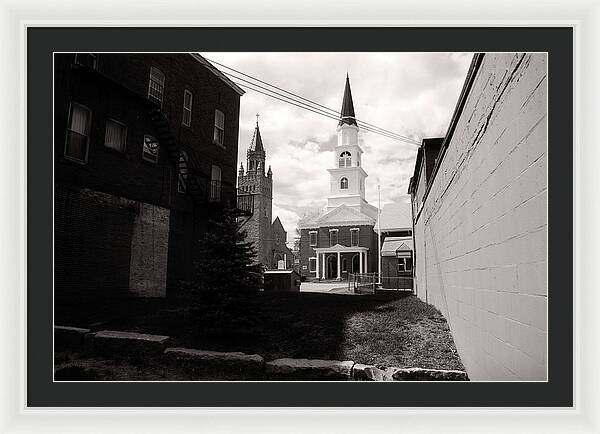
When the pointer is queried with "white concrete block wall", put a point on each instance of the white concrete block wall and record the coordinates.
(481, 236)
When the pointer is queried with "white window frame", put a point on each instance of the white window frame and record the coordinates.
(114, 121)
(151, 159)
(345, 159)
(69, 130)
(357, 231)
(342, 183)
(316, 234)
(157, 92)
(219, 130)
(312, 264)
(187, 110)
(337, 237)
(401, 262)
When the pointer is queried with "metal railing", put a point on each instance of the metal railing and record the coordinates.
(397, 282)
(245, 202)
(362, 283)
(367, 283)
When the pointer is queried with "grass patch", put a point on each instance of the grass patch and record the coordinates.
(383, 329)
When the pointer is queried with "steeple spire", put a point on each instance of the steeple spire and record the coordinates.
(347, 113)
(256, 144)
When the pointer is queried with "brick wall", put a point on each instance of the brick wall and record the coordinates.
(367, 238)
(92, 236)
(118, 90)
(481, 236)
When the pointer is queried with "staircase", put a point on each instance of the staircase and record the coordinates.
(197, 185)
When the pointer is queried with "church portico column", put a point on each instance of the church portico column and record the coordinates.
(360, 257)
(366, 263)
(324, 265)
(339, 274)
(317, 269)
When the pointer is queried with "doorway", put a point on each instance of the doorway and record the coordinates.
(332, 267)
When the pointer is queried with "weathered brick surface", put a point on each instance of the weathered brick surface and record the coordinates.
(481, 235)
(93, 239)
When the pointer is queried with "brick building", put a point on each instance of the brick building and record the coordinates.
(269, 236)
(145, 154)
(395, 224)
(341, 240)
(480, 219)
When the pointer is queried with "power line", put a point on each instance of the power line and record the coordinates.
(302, 105)
(365, 125)
(361, 123)
(295, 103)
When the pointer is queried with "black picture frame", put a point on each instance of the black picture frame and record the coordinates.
(42, 42)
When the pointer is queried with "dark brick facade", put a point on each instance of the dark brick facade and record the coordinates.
(92, 236)
(367, 238)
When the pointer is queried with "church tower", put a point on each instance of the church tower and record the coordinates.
(347, 178)
(259, 183)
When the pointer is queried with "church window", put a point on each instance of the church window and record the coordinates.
(312, 265)
(312, 235)
(344, 183)
(333, 237)
(354, 237)
(345, 159)
(183, 172)
(219, 136)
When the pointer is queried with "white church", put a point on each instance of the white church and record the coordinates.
(342, 239)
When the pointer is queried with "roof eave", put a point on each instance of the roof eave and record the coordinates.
(218, 73)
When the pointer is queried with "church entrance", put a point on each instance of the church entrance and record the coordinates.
(331, 267)
(356, 264)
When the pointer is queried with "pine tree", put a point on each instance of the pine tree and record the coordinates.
(226, 263)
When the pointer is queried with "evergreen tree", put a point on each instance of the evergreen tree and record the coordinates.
(226, 263)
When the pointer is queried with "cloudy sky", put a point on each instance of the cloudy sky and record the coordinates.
(412, 94)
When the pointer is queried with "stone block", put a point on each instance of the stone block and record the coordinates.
(69, 337)
(420, 374)
(309, 369)
(362, 372)
(225, 361)
(117, 343)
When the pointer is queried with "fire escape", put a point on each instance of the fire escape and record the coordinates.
(197, 184)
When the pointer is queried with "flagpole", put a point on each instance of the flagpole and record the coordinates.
(379, 236)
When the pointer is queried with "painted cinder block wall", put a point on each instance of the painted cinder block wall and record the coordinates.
(481, 234)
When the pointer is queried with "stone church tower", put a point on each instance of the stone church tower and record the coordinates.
(260, 184)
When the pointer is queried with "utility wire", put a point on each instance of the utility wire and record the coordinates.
(302, 105)
(365, 125)
(303, 98)
(336, 118)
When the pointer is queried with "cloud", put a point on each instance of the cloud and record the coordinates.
(412, 94)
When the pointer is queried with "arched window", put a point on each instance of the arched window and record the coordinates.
(344, 184)
(345, 159)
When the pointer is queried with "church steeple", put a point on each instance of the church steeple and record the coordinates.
(256, 152)
(347, 113)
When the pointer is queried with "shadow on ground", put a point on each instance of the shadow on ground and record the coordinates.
(385, 329)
